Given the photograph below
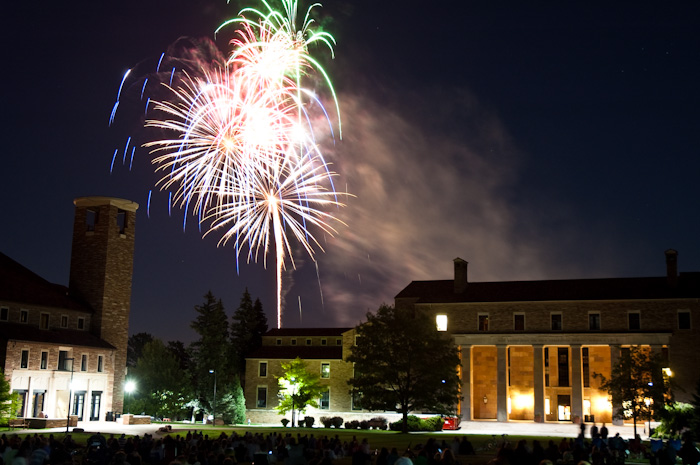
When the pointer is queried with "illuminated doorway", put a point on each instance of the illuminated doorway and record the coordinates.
(564, 408)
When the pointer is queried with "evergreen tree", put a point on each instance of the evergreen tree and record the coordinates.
(135, 347)
(9, 401)
(249, 325)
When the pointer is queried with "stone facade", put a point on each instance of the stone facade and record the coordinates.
(50, 334)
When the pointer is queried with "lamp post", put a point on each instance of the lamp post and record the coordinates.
(70, 389)
(129, 387)
(214, 408)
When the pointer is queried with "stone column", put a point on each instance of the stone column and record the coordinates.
(501, 383)
(538, 365)
(576, 382)
(466, 350)
(614, 361)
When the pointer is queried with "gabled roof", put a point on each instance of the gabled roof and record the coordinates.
(68, 337)
(21, 285)
(554, 290)
(306, 332)
(304, 352)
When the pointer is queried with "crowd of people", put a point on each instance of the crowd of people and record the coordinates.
(196, 448)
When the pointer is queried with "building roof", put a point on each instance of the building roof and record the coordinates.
(68, 337)
(304, 352)
(310, 332)
(21, 285)
(554, 290)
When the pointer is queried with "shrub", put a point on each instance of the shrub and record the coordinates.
(364, 424)
(379, 423)
(336, 422)
(285, 422)
(327, 422)
(416, 424)
(354, 424)
(309, 422)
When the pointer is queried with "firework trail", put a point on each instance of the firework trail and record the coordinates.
(243, 156)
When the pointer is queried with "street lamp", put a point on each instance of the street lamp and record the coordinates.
(129, 387)
(647, 402)
(214, 409)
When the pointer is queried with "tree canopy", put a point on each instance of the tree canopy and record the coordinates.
(9, 401)
(249, 325)
(637, 385)
(299, 388)
(403, 363)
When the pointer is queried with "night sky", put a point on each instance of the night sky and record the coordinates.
(536, 140)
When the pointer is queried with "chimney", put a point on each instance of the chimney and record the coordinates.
(671, 268)
(460, 275)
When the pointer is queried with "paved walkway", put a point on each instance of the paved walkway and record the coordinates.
(468, 427)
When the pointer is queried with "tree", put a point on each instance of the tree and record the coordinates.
(161, 388)
(298, 388)
(637, 385)
(403, 363)
(249, 325)
(135, 347)
(9, 401)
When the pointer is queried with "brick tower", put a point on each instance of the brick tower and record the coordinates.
(101, 269)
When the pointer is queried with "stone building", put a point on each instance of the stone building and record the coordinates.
(62, 346)
(529, 349)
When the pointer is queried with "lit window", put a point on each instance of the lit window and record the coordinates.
(262, 369)
(441, 322)
(325, 370)
(547, 409)
(325, 401)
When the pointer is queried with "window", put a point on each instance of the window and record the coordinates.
(100, 364)
(483, 322)
(594, 321)
(324, 342)
(325, 400)
(278, 342)
(90, 220)
(634, 321)
(519, 322)
(44, 321)
(546, 366)
(81, 323)
(261, 401)
(262, 369)
(23, 316)
(325, 370)
(557, 321)
(356, 400)
(64, 321)
(294, 342)
(63, 360)
(24, 361)
(121, 221)
(84, 362)
(683, 319)
(563, 366)
(4, 313)
(441, 322)
(44, 360)
(586, 368)
(339, 342)
(308, 342)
